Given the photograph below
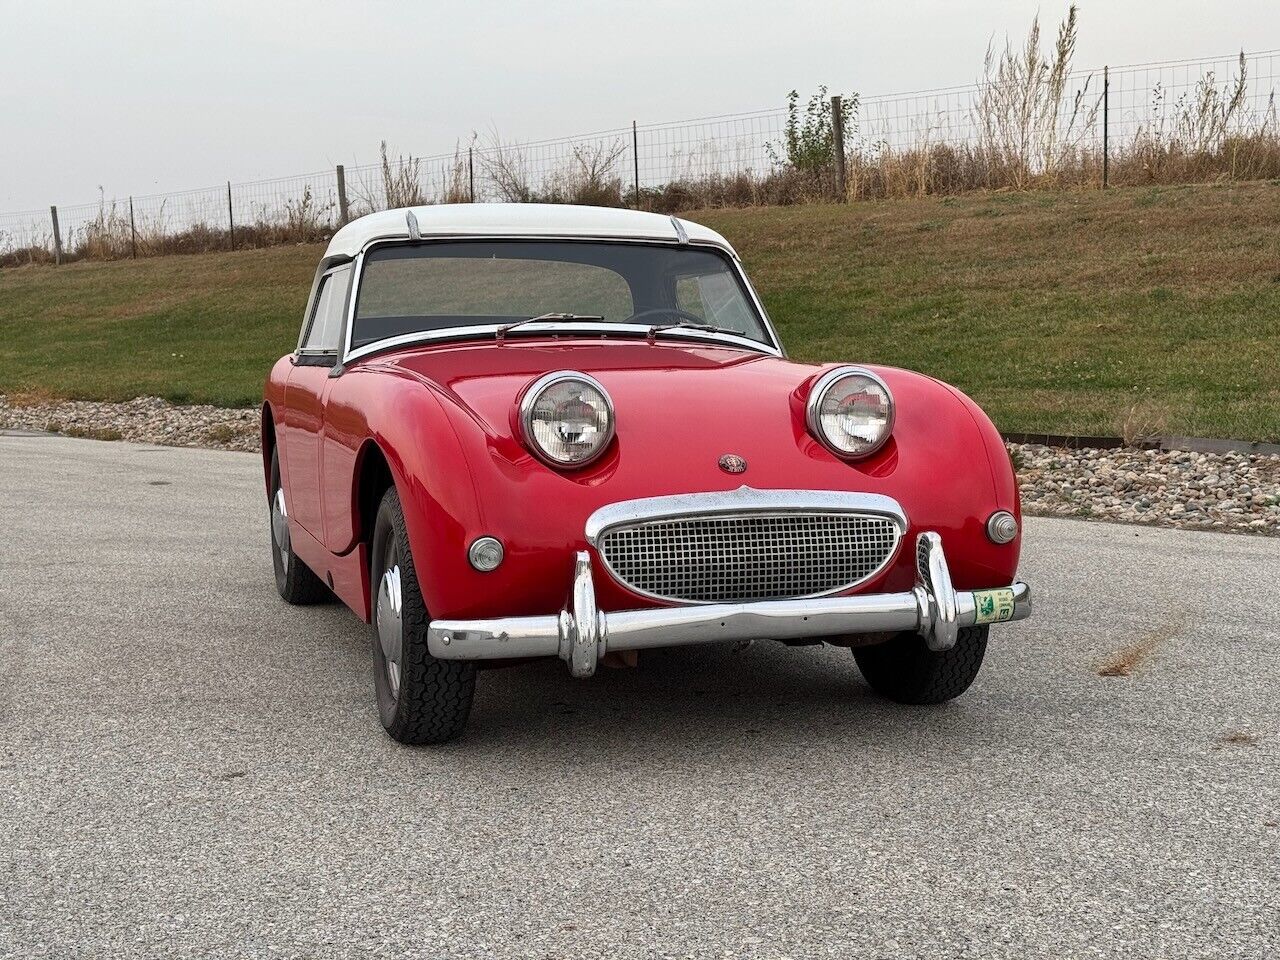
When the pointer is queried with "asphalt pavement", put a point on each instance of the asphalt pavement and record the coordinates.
(191, 768)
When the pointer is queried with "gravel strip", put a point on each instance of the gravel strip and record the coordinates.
(144, 420)
(1233, 491)
(1202, 491)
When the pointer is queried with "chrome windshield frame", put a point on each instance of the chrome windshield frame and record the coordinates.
(571, 327)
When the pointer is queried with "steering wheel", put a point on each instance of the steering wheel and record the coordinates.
(672, 311)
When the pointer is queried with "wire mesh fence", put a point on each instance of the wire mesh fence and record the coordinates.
(1172, 121)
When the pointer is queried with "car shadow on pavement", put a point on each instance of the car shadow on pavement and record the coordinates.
(690, 699)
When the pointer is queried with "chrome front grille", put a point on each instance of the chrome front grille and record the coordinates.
(732, 557)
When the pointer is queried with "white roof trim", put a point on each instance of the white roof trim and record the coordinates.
(518, 220)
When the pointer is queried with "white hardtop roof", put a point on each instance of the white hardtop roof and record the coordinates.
(547, 220)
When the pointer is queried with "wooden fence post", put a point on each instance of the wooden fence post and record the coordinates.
(133, 232)
(837, 137)
(57, 237)
(343, 212)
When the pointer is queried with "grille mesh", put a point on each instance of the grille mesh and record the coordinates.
(726, 559)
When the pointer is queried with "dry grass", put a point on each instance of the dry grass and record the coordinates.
(225, 433)
(455, 179)
(109, 235)
(1031, 125)
(1142, 422)
(401, 184)
(590, 175)
(89, 433)
(30, 397)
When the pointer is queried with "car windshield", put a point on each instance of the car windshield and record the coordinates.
(419, 288)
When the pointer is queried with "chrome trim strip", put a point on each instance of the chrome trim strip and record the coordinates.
(530, 397)
(682, 237)
(581, 634)
(743, 502)
(485, 331)
(774, 349)
(312, 303)
(759, 304)
(825, 383)
(350, 321)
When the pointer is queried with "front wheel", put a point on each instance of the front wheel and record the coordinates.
(420, 699)
(905, 670)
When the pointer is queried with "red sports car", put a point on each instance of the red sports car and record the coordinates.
(515, 431)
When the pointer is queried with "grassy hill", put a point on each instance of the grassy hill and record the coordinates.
(1136, 309)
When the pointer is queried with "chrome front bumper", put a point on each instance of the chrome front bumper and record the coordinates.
(582, 633)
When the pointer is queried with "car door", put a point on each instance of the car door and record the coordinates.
(309, 382)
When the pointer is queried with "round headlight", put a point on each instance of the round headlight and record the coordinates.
(851, 411)
(567, 418)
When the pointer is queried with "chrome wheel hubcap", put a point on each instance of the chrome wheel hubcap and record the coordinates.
(280, 526)
(390, 628)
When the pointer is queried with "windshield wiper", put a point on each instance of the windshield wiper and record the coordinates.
(502, 330)
(686, 325)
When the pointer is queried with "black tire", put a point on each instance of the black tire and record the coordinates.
(294, 579)
(906, 671)
(430, 700)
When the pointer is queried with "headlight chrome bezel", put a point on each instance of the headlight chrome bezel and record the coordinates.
(530, 399)
(813, 407)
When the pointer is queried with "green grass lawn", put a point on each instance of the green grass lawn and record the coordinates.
(1148, 309)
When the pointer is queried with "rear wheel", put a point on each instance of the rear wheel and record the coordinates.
(420, 699)
(906, 671)
(294, 579)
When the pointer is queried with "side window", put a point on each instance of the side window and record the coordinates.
(326, 318)
(715, 298)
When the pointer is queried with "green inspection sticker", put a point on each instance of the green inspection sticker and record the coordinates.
(993, 606)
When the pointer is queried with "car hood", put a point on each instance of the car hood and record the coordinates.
(680, 404)
(647, 382)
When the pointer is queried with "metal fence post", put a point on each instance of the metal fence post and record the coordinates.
(343, 213)
(57, 237)
(837, 137)
(231, 217)
(133, 233)
(471, 172)
(635, 156)
(1106, 116)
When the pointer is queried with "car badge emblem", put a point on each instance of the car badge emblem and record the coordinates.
(732, 463)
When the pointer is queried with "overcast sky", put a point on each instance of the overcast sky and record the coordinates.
(143, 96)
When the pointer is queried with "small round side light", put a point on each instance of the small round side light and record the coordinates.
(485, 554)
(1002, 527)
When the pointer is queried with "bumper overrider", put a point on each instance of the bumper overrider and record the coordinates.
(582, 633)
